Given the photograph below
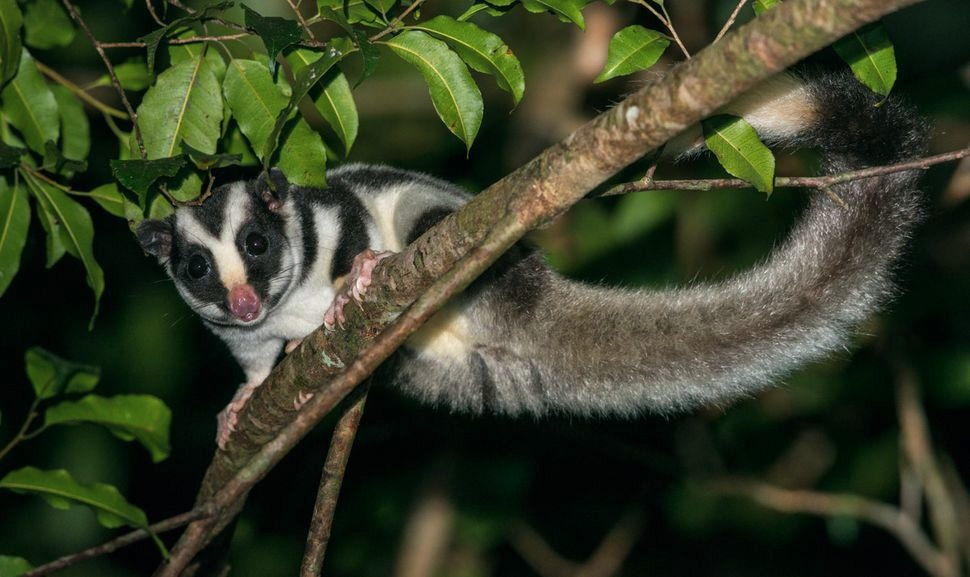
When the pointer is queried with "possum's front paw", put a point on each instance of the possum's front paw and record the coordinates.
(229, 416)
(357, 282)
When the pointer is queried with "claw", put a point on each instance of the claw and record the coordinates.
(354, 287)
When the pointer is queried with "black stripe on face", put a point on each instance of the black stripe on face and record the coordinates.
(263, 246)
(204, 290)
(211, 213)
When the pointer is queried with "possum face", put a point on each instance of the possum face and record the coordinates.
(230, 258)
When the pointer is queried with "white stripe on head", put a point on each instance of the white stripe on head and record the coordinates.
(228, 262)
(232, 271)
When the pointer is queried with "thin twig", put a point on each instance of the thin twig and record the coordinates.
(605, 561)
(111, 73)
(180, 41)
(400, 18)
(295, 5)
(80, 92)
(664, 18)
(333, 474)
(730, 20)
(904, 528)
(151, 10)
(122, 541)
(785, 181)
(22, 432)
(919, 454)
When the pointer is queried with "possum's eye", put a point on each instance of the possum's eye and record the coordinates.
(256, 244)
(198, 266)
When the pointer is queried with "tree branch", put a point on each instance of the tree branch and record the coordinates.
(648, 183)
(446, 258)
(123, 541)
(904, 528)
(919, 454)
(333, 473)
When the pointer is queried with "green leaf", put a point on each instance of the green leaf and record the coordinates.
(333, 97)
(204, 161)
(47, 25)
(455, 96)
(61, 491)
(133, 75)
(141, 418)
(481, 50)
(11, 20)
(870, 54)
(153, 39)
(14, 222)
(256, 103)
(633, 49)
(55, 161)
(110, 199)
(276, 33)
(740, 151)
(184, 104)
(369, 54)
(76, 232)
(382, 6)
(10, 155)
(13, 566)
(762, 6)
(566, 10)
(302, 154)
(254, 99)
(75, 129)
(139, 175)
(50, 375)
(304, 81)
(235, 143)
(30, 106)
(52, 228)
(354, 11)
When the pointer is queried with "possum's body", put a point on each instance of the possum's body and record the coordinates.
(522, 339)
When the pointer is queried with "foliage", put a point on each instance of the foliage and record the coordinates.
(129, 417)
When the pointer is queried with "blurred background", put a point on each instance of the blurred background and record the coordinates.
(434, 494)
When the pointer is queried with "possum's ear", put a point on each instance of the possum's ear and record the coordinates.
(273, 188)
(155, 236)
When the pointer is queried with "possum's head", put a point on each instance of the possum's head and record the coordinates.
(231, 258)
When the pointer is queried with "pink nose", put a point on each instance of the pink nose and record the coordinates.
(244, 302)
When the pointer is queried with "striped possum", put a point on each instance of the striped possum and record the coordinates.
(259, 263)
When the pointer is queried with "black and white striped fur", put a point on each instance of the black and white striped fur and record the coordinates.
(523, 339)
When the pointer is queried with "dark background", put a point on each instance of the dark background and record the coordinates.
(498, 484)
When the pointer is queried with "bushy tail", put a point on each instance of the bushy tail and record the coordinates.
(526, 340)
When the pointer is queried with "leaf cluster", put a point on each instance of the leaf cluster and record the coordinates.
(62, 395)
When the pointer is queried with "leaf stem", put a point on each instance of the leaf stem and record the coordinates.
(22, 434)
(79, 92)
(397, 20)
(664, 18)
